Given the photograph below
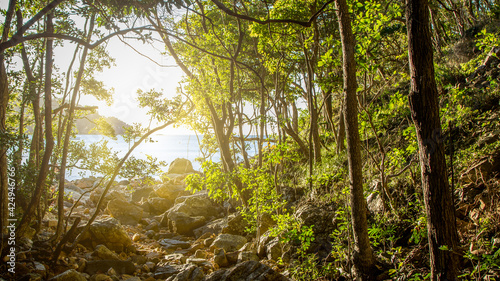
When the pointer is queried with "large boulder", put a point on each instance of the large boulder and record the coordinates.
(247, 271)
(170, 191)
(213, 227)
(158, 205)
(228, 242)
(140, 193)
(180, 166)
(125, 212)
(182, 223)
(196, 205)
(108, 232)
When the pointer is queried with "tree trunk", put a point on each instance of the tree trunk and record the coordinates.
(364, 260)
(424, 107)
(4, 99)
(69, 125)
(49, 139)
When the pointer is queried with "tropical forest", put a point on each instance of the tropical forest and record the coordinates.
(241, 140)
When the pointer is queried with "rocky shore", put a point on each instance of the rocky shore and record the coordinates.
(156, 231)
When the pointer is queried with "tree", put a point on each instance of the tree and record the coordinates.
(424, 105)
(364, 261)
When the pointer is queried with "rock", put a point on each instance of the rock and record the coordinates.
(139, 259)
(159, 205)
(164, 271)
(220, 258)
(120, 267)
(141, 193)
(247, 271)
(228, 242)
(104, 253)
(247, 256)
(320, 216)
(69, 275)
(273, 249)
(176, 258)
(200, 254)
(182, 223)
(180, 166)
(125, 212)
(236, 224)
(213, 227)
(374, 203)
(197, 261)
(124, 182)
(100, 277)
(136, 237)
(171, 192)
(73, 191)
(108, 232)
(198, 204)
(85, 182)
(154, 225)
(266, 222)
(171, 244)
(39, 268)
(188, 272)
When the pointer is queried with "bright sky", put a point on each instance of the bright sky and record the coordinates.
(132, 72)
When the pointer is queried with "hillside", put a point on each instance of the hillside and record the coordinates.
(85, 125)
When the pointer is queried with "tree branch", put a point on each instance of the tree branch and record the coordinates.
(245, 17)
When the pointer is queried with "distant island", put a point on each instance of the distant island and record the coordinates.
(85, 125)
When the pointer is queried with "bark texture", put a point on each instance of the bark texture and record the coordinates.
(364, 260)
(424, 107)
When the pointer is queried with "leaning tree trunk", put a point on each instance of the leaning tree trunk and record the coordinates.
(424, 107)
(364, 261)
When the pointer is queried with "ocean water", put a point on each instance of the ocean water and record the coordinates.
(164, 147)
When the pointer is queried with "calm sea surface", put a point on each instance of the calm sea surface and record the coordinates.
(165, 148)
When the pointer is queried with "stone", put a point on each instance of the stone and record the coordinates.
(189, 272)
(213, 227)
(197, 261)
(139, 259)
(228, 242)
(109, 232)
(266, 222)
(100, 277)
(39, 268)
(236, 224)
(119, 266)
(124, 182)
(273, 249)
(198, 204)
(170, 191)
(171, 244)
(200, 254)
(69, 275)
(180, 166)
(374, 203)
(72, 191)
(104, 253)
(164, 271)
(136, 237)
(159, 205)
(85, 182)
(220, 258)
(182, 223)
(141, 193)
(125, 212)
(247, 256)
(176, 258)
(247, 271)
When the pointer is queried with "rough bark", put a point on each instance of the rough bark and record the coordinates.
(424, 107)
(364, 260)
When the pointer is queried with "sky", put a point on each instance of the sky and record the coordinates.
(131, 72)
